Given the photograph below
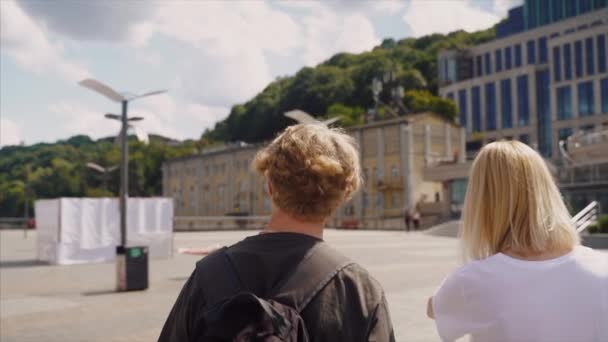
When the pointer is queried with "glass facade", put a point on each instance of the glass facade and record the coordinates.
(604, 90)
(462, 106)
(531, 13)
(523, 105)
(564, 133)
(584, 6)
(585, 99)
(517, 55)
(506, 103)
(542, 50)
(570, 8)
(590, 54)
(557, 65)
(602, 58)
(508, 58)
(476, 104)
(567, 62)
(478, 66)
(490, 93)
(564, 103)
(488, 63)
(525, 138)
(531, 51)
(498, 60)
(578, 58)
(543, 106)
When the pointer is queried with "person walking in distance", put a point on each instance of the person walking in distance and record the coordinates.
(527, 278)
(286, 283)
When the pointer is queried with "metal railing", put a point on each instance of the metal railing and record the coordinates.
(586, 217)
(200, 223)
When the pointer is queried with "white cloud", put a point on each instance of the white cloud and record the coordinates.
(10, 134)
(206, 116)
(29, 46)
(327, 33)
(444, 16)
(388, 6)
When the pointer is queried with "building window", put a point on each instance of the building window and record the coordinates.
(380, 200)
(365, 197)
(490, 92)
(564, 133)
(542, 50)
(543, 106)
(586, 129)
(517, 55)
(601, 53)
(498, 60)
(590, 54)
(394, 199)
(525, 138)
(558, 11)
(544, 13)
(578, 58)
(394, 172)
(523, 105)
(478, 66)
(508, 58)
(450, 96)
(570, 8)
(567, 62)
(506, 103)
(585, 99)
(604, 90)
(531, 51)
(476, 103)
(557, 65)
(487, 63)
(564, 103)
(532, 17)
(584, 6)
(462, 106)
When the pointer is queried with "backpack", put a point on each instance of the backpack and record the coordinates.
(242, 316)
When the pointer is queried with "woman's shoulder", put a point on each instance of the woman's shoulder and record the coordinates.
(591, 259)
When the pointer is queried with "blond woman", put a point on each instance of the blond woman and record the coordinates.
(527, 277)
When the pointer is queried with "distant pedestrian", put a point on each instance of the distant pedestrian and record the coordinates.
(287, 284)
(407, 217)
(528, 278)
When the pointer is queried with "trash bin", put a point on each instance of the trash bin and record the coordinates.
(131, 268)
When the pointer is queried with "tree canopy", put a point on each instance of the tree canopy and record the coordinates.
(343, 84)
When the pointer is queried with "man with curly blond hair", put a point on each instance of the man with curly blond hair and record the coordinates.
(310, 170)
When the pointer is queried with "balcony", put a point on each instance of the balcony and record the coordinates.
(389, 184)
(590, 148)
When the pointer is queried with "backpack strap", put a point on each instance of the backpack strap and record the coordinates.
(319, 266)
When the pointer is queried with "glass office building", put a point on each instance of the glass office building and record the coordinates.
(544, 76)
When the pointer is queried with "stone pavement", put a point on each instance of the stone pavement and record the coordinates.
(77, 303)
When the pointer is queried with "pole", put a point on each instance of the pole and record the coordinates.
(124, 176)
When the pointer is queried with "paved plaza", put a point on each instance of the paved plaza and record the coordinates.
(77, 303)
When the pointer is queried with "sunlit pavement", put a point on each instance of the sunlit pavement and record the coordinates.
(77, 303)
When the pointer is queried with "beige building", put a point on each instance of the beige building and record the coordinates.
(394, 155)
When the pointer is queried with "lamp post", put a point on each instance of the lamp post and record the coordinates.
(105, 172)
(113, 95)
(131, 262)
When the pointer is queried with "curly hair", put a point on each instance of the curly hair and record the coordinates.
(312, 170)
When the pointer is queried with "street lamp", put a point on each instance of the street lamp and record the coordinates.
(113, 95)
(98, 87)
(105, 172)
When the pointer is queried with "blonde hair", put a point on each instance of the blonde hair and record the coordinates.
(512, 203)
(312, 169)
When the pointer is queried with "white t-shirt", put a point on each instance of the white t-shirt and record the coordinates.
(505, 299)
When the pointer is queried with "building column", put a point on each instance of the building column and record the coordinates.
(358, 197)
(448, 141)
(380, 156)
(406, 135)
(427, 145)
(462, 154)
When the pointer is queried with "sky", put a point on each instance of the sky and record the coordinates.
(209, 55)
